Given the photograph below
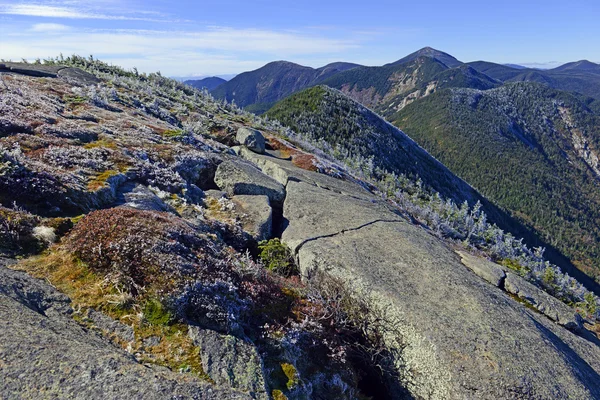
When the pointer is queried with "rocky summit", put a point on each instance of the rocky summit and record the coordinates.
(156, 243)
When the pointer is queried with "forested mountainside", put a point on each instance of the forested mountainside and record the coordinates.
(528, 148)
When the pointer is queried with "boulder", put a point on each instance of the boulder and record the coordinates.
(550, 306)
(238, 177)
(483, 268)
(140, 197)
(256, 215)
(78, 74)
(215, 194)
(50, 71)
(252, 139)
(230, 362)
(282, 170)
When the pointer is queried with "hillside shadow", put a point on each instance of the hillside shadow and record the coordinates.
(588, 377)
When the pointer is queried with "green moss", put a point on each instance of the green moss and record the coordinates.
(103, 143)
(173, 133)
(99, 181)
(157, 314)
(515, 266)
(277, 257)
(75, 100)
(76, 219)
(292, 374)
(278, 395)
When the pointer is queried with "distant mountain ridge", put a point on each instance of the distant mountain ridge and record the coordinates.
(373, 86)
(258, 90)
(580, 76)
(209, 83)
(523, 137)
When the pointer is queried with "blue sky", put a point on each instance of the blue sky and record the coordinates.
(196, 38)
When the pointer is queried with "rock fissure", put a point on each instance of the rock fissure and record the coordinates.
(298, 247)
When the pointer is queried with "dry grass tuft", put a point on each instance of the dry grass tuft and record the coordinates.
(86, 290)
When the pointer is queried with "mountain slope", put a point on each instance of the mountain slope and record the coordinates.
(209, 83)
(325, 114)
(395, 85)
(344, 128)
(260, 89)
(531, 149)
(136, 280)
(497, 71)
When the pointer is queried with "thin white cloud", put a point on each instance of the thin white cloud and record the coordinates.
(541, 65)
(47, 11)
(220, 50)
(49, 28)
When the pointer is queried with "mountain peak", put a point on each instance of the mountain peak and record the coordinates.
(430, 52)
(581, 65)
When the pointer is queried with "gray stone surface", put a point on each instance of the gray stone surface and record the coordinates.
(32, 293)
(109, 326)
(464, 338)
(230, 361)
(252, 139)
(239, 177)
(483, 268)
(44, 354)
(49, 71)
(546, 304)
(215, 194)
(135, 195)
(78, 74)
(282, 170)
(255, 214)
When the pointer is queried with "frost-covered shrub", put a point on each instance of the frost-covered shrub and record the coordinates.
(197, 168)
(155, 109)
(69, 130)
(95, 159)
(98, 97)
(39, 192)
(215, 305)
(17, 232)
(159, 175)
(139, 247)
